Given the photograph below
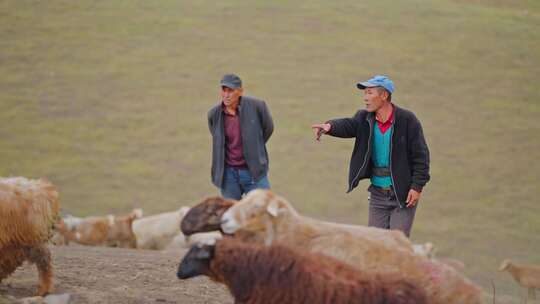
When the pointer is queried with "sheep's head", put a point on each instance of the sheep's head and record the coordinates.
(504, 265)
(254, 212)
(196, 262)
(137, 213)
(126, 220)
(206, 216)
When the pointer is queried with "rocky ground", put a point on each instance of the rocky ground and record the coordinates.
(115, 275)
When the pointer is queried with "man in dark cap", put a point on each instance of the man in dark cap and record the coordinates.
(240, 127)
(390, 150)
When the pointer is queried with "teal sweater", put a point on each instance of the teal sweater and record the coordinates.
(381, 155)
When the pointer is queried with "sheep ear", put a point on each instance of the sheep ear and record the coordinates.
(273, 208)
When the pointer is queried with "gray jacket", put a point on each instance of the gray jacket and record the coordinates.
(256, 128)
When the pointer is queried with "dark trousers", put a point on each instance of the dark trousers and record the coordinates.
(385, 212)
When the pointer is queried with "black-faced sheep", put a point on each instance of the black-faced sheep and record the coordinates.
(277, 274)
(28, 211)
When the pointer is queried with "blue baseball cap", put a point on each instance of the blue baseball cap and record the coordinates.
(377, 81)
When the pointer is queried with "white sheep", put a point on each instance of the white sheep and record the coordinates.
(527, 276)
(157, 231)
(264, 203)
(268, 218)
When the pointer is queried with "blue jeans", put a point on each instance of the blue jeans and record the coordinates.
(237, 182)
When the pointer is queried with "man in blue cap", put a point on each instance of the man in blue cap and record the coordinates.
(389, 149)
(240, 127)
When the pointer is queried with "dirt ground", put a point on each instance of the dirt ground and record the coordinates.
(115, 275)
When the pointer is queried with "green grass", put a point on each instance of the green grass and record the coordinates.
(108, 100)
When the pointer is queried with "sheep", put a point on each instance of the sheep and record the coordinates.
(121, 232)
(157, 231)
(527, 276)
(58, 237)
(28, 209)
(110, 230)
(205, 216)
(64, 230)
(256, 274)
(270, 219)
(72, 222)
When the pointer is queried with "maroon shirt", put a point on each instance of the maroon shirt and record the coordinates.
(234, 154)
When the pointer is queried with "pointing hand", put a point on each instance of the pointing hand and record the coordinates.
(320, 129)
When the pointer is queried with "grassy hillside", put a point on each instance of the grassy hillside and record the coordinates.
(108, 100)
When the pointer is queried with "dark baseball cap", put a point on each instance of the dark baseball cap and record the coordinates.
(231, 81)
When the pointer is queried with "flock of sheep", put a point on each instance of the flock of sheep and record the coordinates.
(260, 247)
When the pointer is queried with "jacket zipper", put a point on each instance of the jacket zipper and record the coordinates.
(390, 162)
(222, 144)
(365, 156)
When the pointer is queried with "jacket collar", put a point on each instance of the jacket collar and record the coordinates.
(370, 117)
(237, 109)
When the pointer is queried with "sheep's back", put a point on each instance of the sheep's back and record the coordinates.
(279, 274)
(93, 231)
(391, 238)
(156, 231)
(442, 283)
(530, 276)
(28, 209)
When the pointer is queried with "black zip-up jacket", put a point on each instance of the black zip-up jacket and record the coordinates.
(256, 128)
(409, 154)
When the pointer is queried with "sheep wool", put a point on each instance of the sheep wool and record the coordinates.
(28, 209)
(257, 274)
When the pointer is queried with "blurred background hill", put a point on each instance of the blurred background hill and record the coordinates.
(108, 100)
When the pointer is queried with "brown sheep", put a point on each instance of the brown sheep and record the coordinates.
(114, 231)
(527, 276)
(256, 274)
(121, 233)
(28, 209)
